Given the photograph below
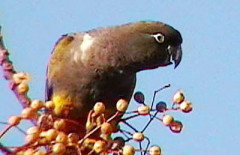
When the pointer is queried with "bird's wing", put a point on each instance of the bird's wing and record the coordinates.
(48, 89)
(60, 46)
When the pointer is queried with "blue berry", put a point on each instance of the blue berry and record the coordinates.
(161, 106)
(139, 97)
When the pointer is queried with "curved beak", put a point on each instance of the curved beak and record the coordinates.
(176, 54)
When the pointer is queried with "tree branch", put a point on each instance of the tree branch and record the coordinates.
(8, 72)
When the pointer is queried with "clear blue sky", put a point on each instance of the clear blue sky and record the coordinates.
(209, 73)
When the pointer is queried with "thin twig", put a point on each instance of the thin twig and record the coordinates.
(129, 125)
(130, 117)
(8, 127)
(140, 147)
(148, 140)
(18, 128)
(98, 127)
(149, 121)
(155, 93)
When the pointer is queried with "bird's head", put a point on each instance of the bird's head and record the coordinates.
(137, 46)
(155, 43)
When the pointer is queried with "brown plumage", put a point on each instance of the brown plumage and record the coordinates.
(101, 65)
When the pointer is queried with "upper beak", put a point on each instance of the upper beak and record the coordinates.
(176, 53)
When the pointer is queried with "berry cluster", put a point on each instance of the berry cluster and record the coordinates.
(54, 135)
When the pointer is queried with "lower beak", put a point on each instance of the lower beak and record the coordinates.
(176, 54)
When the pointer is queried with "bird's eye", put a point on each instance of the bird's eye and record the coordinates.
(159, 37)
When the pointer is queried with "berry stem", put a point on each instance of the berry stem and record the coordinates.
(155, 93)
(130, 126)
(8, 127)
(149, 121)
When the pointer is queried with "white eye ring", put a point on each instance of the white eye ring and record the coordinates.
(159, 37)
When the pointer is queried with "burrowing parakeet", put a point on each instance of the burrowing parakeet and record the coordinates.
(101, 65)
